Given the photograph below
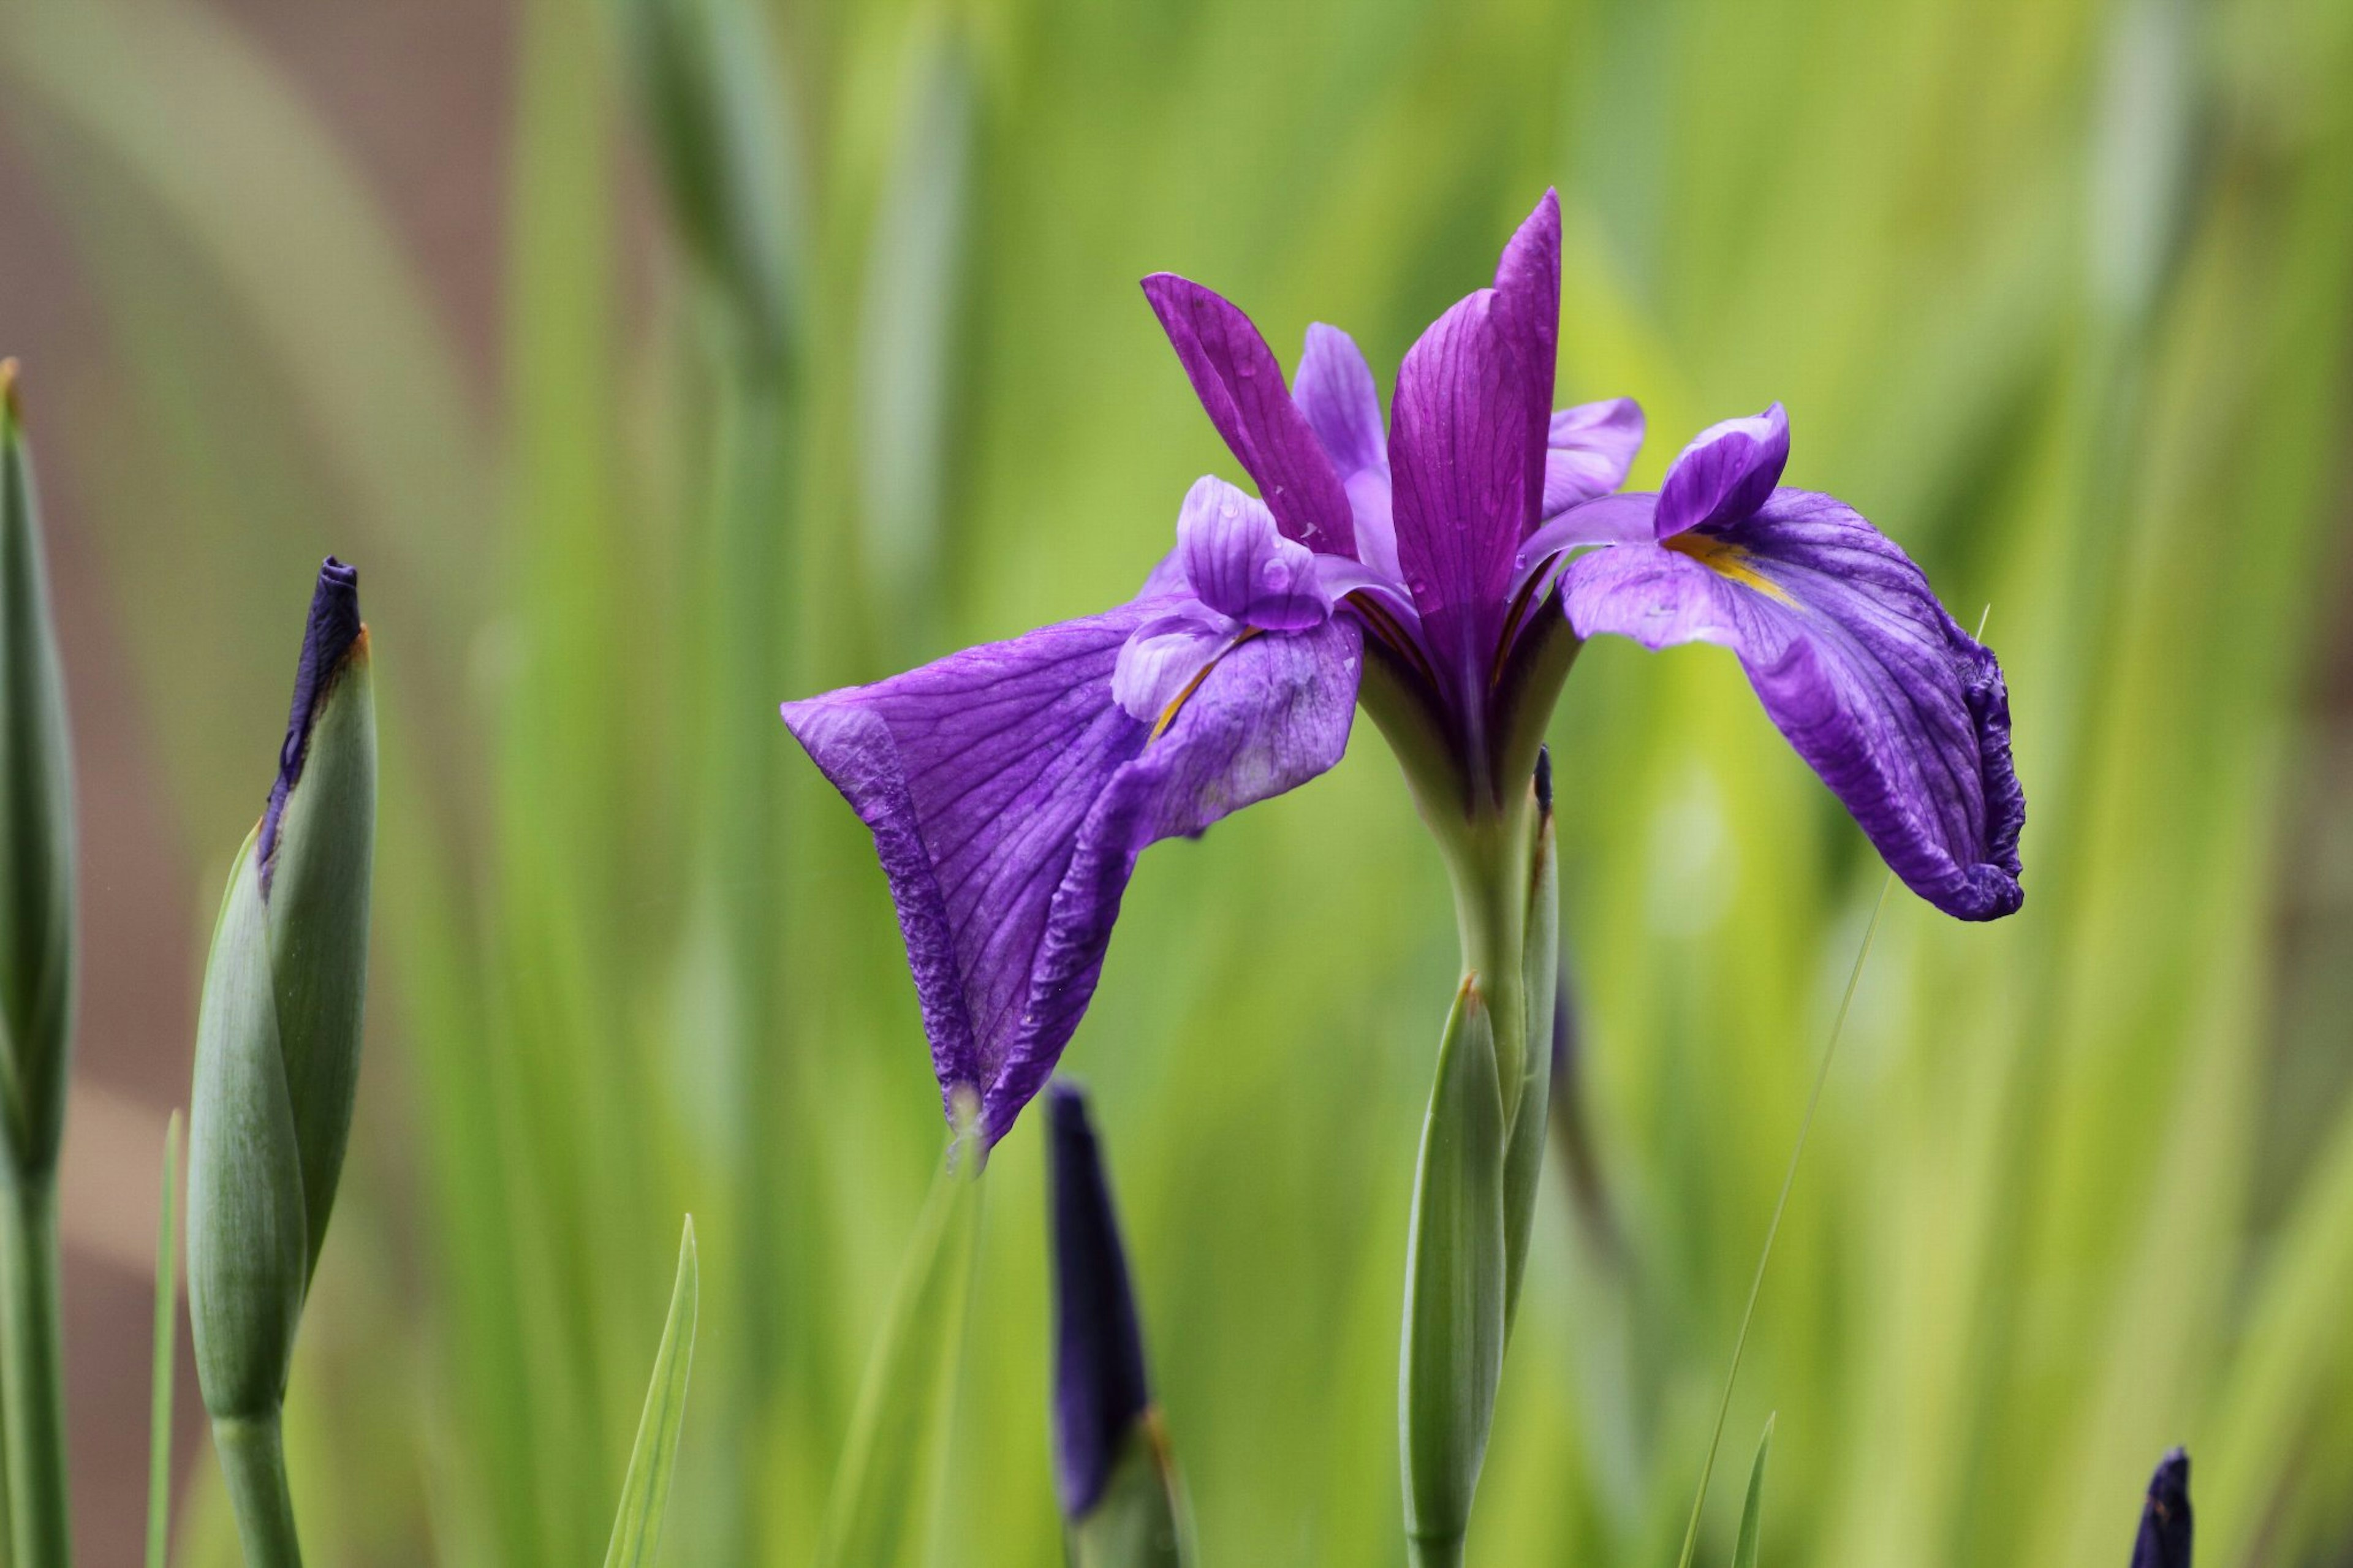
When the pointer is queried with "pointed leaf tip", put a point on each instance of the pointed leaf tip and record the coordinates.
(14, 409)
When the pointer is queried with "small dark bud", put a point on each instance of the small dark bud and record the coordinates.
(327, 642)
(1543, 779)
(2165, 1519)
(1101, 1395)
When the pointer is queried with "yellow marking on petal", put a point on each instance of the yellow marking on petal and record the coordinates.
(1729, 561)
(1168, 714)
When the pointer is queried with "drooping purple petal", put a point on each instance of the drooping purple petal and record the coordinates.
(1527, 301)
(1335, 392)
(1241, 386)
(1902, 714)
(1459, 462)
(1726, 473)
(328, 638)
(2166, 1522)
(1100, 1389)
(1010, 796)
(1590, 446)
(1167, 653)
(1239, 563)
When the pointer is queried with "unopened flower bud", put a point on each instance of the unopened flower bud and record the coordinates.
(278, 1034)
(1112, 1466)
(2165, 1518)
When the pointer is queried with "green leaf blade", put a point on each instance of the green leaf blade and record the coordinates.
(653, 1461)
(167, 1347)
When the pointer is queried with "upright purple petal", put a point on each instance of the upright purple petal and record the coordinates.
(1590, 446)
(2166, 1522)
(1902, 714)
(1726, 473)
(1459, 442)
(1239, 564)
(1527, 298)
(1335, 393)
(1009, 796)
(1101, 1392)
(1241, 386)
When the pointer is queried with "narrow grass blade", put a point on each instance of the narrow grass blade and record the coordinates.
(893, 1468)
(645, 1493)
(1789, 1180)
(1752, 1512)
(167, 1350)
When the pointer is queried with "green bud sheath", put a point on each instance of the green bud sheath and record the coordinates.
(36, 825)
(1139, 1521)
(249, 1234)
(1456, 1286)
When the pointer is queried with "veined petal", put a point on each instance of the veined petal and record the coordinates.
(1612, 519)
(1241, 386)
(1902, 714)
(1459, 461)
(1167, 655)
(1239, 563)
(1009, 796)
(1527, 299)
(1589, 448)
(1726, 473)
(1336, 394)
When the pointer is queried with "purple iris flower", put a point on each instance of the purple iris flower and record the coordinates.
(1011, 788)
(2165, 1518)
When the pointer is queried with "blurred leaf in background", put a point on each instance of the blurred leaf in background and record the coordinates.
(2059, 289)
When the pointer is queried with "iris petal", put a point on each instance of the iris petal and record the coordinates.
(1241, 387)
(1726, 473)
(1902, 713)
(1010, 796)
(1589, 448)
(1239, 564)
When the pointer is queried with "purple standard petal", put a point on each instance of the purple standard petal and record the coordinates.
(1589, 448)
(1527, 301)
(1101, 1393)
(2165, 1519)
(1902, 712)
(334, 628)
(1726, 473)
(1241, 386)
(1336, 394)
(1239, 564)
(1457, 457)
(1010, 796)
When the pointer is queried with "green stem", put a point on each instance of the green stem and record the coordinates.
(40, 1506)
(1429, 1552)
(253, 1458)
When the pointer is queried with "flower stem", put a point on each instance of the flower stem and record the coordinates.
(253, 1458)
(39, 1505)
(1427, 1552)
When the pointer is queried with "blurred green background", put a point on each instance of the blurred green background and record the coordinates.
(656, 362)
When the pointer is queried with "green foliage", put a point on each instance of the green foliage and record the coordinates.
(653, 1460)
(885, 1508)
(36, 825)
(167, 1357)
(1752, 1511)
(2053, 1215)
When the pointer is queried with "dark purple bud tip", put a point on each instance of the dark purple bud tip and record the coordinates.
(335, 631)
(2165, 1520)
(1100, 1392)
(1543, 781)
